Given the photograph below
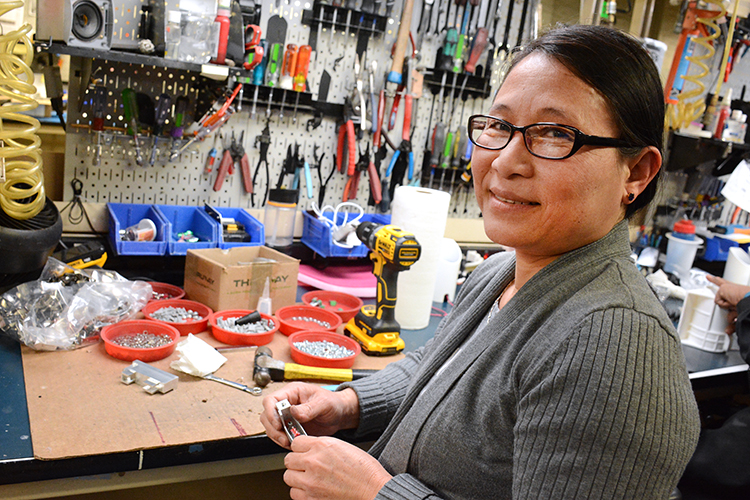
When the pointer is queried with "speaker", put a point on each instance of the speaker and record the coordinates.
(85, 23)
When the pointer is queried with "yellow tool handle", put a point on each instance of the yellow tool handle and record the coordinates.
(300, 372)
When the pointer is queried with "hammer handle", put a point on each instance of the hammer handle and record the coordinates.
(402, 41)
(294, 371)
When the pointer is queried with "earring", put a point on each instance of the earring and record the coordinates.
(631, 196)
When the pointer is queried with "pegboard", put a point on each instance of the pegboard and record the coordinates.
(184, 181)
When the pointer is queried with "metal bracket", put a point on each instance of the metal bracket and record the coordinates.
(151, 379)
(291, 426)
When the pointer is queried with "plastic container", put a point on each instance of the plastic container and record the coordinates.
(253, 227)
(304, 358)
(186, 327)
(165, 291)
(684, 229)
(680, 254)
(279, 217)
(123, 215)
(702, 323)
(236, 338)
(288, 326)
(317, 234)
(132, 327)
(172, 34)
(346, 306)
(180, 219)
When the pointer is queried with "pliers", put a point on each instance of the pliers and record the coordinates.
(265, 142)
(352, 185)
(347, 137)
(302, 164)
(225, 167)
(240, 156)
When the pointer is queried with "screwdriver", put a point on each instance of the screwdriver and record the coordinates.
(273, 67)
(288, 67)
(460, 145)
(477, 48)
(211, 158)
(98, 104)
(438, 142)
(179, 116)
(131, 117)
(258, 72)
(300, 77)
(446, 158)
(162, 111)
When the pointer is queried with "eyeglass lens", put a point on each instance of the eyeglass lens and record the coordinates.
(550, 141)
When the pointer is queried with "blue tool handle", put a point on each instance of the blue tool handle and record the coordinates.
(295, 182)
(411, 165)
(392, 163)
(308, 181)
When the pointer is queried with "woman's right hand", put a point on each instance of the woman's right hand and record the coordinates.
(320, 411)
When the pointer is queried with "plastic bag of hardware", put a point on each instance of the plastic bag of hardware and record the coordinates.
(66, 308)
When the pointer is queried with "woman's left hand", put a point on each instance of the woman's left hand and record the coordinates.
(328, 468)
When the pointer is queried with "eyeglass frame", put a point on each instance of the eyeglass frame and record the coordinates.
(580, 140)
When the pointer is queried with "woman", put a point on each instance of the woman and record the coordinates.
(557, 373)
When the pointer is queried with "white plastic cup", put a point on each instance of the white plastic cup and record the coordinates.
(680, 254)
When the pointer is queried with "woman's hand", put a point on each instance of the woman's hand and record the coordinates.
(729, 293)
(727, 297)
(320, 411)
(328, 468)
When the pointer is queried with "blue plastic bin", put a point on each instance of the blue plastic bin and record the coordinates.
(317, 235)
(180, 219)
(717, 248)
(124, 215)
(253, 227)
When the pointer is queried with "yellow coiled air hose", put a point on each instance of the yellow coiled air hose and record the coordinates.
(22, 194)
(691, 104)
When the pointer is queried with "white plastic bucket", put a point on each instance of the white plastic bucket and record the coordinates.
(703, 323)
(680, 254)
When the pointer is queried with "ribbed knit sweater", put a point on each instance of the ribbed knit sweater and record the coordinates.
(577, 388)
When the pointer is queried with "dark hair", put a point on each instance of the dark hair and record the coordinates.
(617, 66)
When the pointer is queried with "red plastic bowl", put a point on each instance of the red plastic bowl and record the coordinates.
(288, 326)
(237, 338)
(347, 305)
(318, 336)
(171, 291)
(186, 327)
(132, 327)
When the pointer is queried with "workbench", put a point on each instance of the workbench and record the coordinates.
(24, 476)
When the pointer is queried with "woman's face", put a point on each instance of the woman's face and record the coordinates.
(542, 207)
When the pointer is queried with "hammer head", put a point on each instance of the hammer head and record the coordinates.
(261, 374)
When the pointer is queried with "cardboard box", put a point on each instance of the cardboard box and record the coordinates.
(234, 278)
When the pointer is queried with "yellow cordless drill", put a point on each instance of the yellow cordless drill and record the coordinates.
(393, 250)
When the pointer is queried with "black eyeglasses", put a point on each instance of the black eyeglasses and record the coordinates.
(551, 141)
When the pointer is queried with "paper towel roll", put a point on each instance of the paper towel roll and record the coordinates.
(424, 213)
(449, 266)
(737, 269)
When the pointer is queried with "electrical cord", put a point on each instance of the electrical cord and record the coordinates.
(22, 193)
(341, 231)
(76, 204)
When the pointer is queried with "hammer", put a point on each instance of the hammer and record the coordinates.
(267, 370)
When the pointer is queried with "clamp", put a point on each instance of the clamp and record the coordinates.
(264, 139)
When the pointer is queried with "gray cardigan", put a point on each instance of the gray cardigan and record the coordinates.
(577, 388)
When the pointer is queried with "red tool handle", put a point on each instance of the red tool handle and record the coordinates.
(394, 109)
(375, 187)
(381, 115)
(477, 47)
(406, 132)
(247, 179)
(340, 149)
(226, 163)
(351, 139)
